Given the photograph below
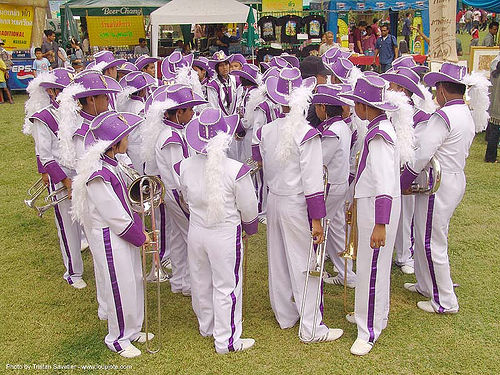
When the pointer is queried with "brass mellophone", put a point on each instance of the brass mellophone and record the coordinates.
(35, 191)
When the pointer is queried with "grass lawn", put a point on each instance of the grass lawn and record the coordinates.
(46, 322)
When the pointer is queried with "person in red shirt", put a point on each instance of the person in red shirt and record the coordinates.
(358, 37)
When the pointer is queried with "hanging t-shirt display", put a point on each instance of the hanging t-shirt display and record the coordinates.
(267, 26)
(267, 53)
(290, 26)
(315, 25)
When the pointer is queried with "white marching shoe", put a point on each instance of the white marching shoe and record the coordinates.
(245, 344)
(332, 335)
(130, 352)
(338, 280)
(351, 318)
(79, 284)
(361, 347)
(412, 287)
(407, 270)
(142, 337)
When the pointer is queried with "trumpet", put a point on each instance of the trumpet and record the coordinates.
(145, 194)
(318, 270)
(432, 179)
(35, 191)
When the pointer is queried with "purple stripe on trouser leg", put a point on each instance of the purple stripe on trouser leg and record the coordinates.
(428, 253)
(371, 295)
(114, 286)
(237, 279)
(412, 236)
(63, 238)
(163, 230)
(177, 199)
(261, 189)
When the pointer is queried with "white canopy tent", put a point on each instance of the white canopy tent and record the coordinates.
(179, 12)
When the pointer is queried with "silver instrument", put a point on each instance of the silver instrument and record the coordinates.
(432, 179)
(318, 270)
(35, 191)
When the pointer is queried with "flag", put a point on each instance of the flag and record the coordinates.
(250, 35)
(69, 29)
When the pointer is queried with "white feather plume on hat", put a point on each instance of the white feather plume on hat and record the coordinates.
(479, 98)
(354, 74)
(123, 96)
(38, 98)
(187, 76)
(256, 97)
(152, 126)
(427, 104)
(68, 122)
(299, 100)
(402, 120)
(89, 163)
(99, 67)
(216, 153)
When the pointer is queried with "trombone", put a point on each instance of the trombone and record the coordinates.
(34, 192)
(145, 194)
(317, 271)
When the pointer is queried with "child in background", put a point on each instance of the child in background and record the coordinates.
(475, 36)
(41, 64)
(3, 83)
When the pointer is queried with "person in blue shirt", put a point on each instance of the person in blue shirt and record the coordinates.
(407, 29)
(386, 48)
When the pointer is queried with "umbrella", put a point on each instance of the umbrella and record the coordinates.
(68, 27)
(250, 35)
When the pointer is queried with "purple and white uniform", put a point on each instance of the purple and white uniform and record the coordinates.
(134, 104)
(223, 95)
(215, 252)
(377, 192)
(448, 136)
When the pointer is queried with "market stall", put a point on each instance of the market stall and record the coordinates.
(182, 12)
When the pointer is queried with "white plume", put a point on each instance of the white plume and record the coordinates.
(402, 120)
(354, 74)
(99, 67)
(38, 98)
(256, 96)
(152, 126)
(427, 104)
(299, 100)
(88, 164)
(214, 168)
(122, 98)
(479, 98)
(361, 126)
(68, 122)
(187, 76)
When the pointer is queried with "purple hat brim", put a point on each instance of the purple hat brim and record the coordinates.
(203, 65)
(192, 135)
(136, 120)
(52, 85)
(114, 63)
(146, 61)
(432, 78)
(403, 81)
(275, 96)
(265, 65)
(243, 74)
(213, 63)
(292, 60)
(330, 100)
(385, 106)
(198, 100)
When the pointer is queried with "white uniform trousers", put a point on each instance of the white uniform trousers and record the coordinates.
(335, 211)
(373, 271)
(70, 234)
(119, 263)
(404, 236)
(288, 243)
(432, 219)
(163, 223)
(179, 220)
(215, 256)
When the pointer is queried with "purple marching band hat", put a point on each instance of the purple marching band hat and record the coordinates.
(202, 62)
(144, 60)
(126, 67)
(408, 62)
(104, 60)
(137, 81)
(448, 72)
(63, 78)
(211, 121)
(405, 77)
(273, 71)
(94, 83)
(370, 90)
(237, 57)
(249, 72)
(292, 60)
(279, 88)
(331, 55)
(341, 68)
(111, 126)
(217, 58)
(182, 96)
(173, 62)
(329, 95)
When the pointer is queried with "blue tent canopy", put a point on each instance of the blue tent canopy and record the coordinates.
(380, 5)
(489, 5)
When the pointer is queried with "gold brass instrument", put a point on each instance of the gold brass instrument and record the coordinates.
(432, 179)
(254, 165)
(351, 238)
(145, 194)
(318, 270)
(35, 191)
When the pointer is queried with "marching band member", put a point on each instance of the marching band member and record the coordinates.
(222, 205)
(205, 73)
(335, 143)
(147, 64)
(106, 62)
(171, 65)
(292, 163)
(221, 89)
(448, 136)
(236, 62)
(164, 142)
(406, 80)
(124, 69)
(378, 202)
(45, 130)
(114, 232)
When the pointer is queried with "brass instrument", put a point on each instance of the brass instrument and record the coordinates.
(145, 194)
(254, 165)
(318, 270)
(432, 179)
(35, 191)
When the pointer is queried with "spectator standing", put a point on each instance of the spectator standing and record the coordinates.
(142, 48)
(86, 44)
(489, 39)
(476, 18)
(3, 83)
(406, 29)
(50, 49)
(358, 36)
(62, 58)
(386, 48)
(468, 20)
(328, 42)
(40, 64)
(5, 56)
(77, 50)
(475, 36)
(224, 39)
(376, 28)
(368, 42)
(493, 129)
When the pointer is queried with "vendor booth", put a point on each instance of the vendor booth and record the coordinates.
(182, 12)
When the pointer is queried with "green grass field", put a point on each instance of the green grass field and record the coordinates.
(45, 322)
